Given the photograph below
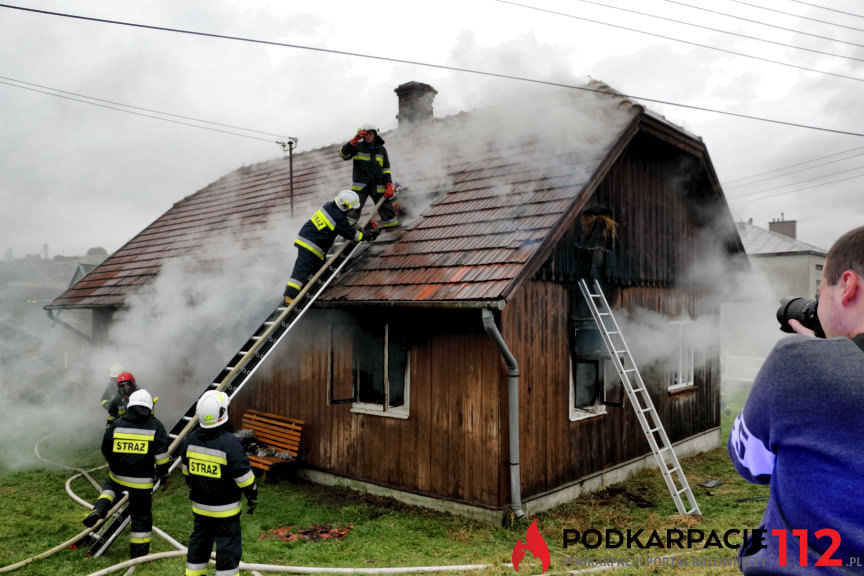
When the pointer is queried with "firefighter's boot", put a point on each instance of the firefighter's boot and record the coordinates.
(137, 549)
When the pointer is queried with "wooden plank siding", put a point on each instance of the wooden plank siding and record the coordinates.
(451, 444)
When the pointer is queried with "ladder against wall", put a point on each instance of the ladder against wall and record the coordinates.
(637, 393)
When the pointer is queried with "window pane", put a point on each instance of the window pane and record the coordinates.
(586, 383)
(397, 353)
(369, 365)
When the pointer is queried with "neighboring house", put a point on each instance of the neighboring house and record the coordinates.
(791, 267)
(402, 385)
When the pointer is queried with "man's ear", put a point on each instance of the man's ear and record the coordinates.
(850, 287)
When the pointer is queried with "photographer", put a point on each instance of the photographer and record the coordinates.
(800, 431)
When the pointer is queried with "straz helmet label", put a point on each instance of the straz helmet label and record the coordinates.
(124, 446)
(202, 468)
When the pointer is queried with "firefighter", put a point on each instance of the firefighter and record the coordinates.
(371, 174)
(317, 235)
(115, 398)
(135, 446)
(218, 473)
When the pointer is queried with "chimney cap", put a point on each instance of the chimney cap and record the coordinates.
(412, 85)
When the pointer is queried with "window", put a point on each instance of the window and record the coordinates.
(587, 388)
(681, 370)
(378, 391)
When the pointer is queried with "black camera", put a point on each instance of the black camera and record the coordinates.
(801, 309)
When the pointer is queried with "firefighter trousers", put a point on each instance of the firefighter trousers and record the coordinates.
(387, 212)
(140, 513)
(225, 534)
(306, 264)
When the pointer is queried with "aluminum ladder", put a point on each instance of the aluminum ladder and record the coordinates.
(637, 392)
(237, 372)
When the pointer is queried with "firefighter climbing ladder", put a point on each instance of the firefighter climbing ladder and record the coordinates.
(245, 362)
(637, 392)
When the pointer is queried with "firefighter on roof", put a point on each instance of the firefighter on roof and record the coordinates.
(317, 236)
(117, 393)
(217, 472)
(371, 174)
(135, 446)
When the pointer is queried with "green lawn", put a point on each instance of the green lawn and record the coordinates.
(38, 515)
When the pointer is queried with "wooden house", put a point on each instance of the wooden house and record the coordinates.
(462, 335)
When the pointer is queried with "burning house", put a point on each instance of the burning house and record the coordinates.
(402, 369)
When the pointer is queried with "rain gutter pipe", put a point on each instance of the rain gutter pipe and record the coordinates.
(512, 410)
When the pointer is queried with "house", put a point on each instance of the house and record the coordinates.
(791, 267)
(462, 336)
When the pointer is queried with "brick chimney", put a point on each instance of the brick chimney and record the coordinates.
(415, 103)
(785, 227)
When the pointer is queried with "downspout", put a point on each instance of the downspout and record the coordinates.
(512, 411)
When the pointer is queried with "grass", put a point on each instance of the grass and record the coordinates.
(38, 515)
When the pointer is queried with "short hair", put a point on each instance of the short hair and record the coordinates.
(847, 253)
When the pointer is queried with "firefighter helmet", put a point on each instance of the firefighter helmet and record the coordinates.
(347, 200)
(126, 383)
(115, 371)
(212, 409)
(369, 127)
(140, 398)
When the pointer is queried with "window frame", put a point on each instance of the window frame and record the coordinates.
(402, 412)
(598, 409)
(685, 359)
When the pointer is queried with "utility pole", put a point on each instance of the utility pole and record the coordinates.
(289, 146)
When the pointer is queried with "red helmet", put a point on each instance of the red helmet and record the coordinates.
(126, 383)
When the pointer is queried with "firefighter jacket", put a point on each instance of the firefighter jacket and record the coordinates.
(136, 448)
(371, 165)
(216, 470)
(319, 232)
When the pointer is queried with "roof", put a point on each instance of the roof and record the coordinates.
(761, 242)
(486, 191)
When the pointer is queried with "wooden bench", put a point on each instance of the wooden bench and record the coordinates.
(273, 431)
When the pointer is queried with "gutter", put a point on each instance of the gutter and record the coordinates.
(56, 320)
(512, 411)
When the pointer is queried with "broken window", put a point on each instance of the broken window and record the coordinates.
(588, 365)
(380, 369)
(681, 369)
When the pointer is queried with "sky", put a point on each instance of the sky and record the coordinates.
(75, 175)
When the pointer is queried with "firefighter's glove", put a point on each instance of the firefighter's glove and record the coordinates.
(371, 232)
(357, 137)
(251, 504)
(389, 191)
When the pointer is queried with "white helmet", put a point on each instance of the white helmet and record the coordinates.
(140, 398)
(347, 200)
(212, 409)
(115, 371)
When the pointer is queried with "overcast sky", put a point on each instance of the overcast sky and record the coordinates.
(75, 175)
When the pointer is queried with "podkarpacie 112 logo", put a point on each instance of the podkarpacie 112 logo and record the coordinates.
(533, 543)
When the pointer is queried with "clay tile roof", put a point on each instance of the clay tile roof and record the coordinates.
(478, 206)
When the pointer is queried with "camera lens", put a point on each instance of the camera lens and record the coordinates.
(801, 309)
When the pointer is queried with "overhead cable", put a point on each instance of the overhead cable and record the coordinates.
(827, 8)
(796, 15)
(729, 32)
(733, 201)
(672, 38)
(139, 107)
(92, 103)
(794, 168)
(767, 24)
(444, 67)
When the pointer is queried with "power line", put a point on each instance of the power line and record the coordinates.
(444, 67)
(138, 107)
(747, 36)
(761, 23)
(723, 50)
(72, 98)
(748, 200)
(797, 15)
(829, 9)
(804, 181)
(793, 168)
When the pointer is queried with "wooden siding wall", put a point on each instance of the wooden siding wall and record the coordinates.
(450, 446)
(555, 451)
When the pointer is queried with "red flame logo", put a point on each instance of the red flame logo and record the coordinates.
(533, 543)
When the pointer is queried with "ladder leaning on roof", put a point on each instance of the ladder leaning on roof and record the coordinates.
(243, 365)
(637, 392)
